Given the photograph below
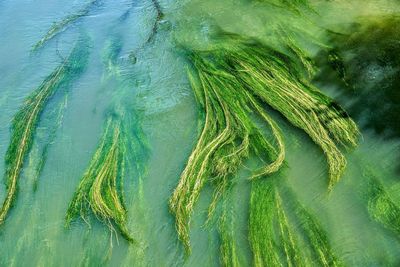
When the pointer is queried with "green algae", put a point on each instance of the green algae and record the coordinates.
(119, 152)
(101, 186)
(62, 25)
(26, 120)
(232, 83)
(364, 64)
(278, 239)
(50, 140)
(381, 206)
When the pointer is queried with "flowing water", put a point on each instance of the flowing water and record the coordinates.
(151, 81)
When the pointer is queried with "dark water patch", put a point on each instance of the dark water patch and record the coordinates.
(364, 65)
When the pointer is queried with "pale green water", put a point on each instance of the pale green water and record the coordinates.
(156, 88)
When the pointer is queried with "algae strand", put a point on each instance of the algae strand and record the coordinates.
(233, 82)
(25, 121)
(100, 188)
(62, 25)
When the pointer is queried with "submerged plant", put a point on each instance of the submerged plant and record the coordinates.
(62, 25)
(295, 5)
(100, 189)
(233, 82)
(27, 118)
(226, 230)
(381, 207)
(50, 140)
(364, 64)
(261, 227)
(273, 238)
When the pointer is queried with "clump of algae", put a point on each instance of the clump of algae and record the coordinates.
(233, 82)
(381, 207)
(274, 238)
(62, 25)
(26, 120)
(100, 189)
(229, 251)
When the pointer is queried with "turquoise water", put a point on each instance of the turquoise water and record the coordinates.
(156, 88)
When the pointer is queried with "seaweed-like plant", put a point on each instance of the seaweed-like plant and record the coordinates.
(226, 230)
(159, 17)
(49, 141)
(101, 185)
(100, 190)
(273, 238)
(232, 82)
(295, 6)
(26, 120)
(62, 25)
(381, 206)
(153, 32)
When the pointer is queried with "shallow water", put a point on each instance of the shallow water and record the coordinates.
(156, 88)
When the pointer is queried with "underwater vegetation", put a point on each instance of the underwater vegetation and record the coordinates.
(233, 82)
(381, 207)
(26, 120)
(278, 238)
(62, 25)
(159, 17)
(229, 250)
(265, 166)
(296, 6)
(101, 186)
(365, 64)
(50, 140)
(100, 191)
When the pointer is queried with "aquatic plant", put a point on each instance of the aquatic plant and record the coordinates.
(226, 230)
(110, 56)
(62, 25)
(119, 151)
(314, 233)
(26, 120)
(296, 6)
(381, 206)
(159, 17)
(50, 140)
(232, 83)
(261, 224)
(100, 189)
(291, 248)
(364, 64)
(274, 239)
